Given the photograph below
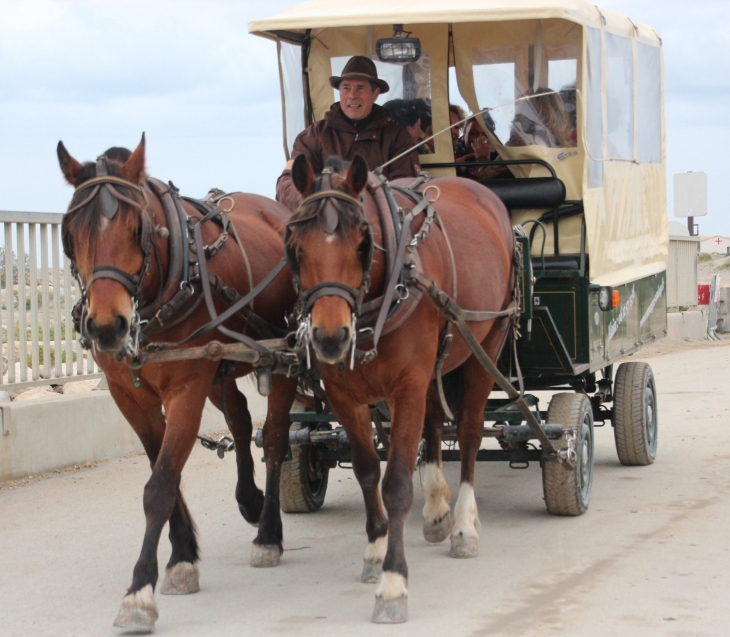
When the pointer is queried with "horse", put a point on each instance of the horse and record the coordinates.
(117, 236)
(332, 244)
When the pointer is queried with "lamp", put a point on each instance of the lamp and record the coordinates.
(400, 49)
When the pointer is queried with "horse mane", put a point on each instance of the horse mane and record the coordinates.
(83, 224)
(311, 217)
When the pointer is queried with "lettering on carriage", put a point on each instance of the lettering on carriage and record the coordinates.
(652, 305)
(623, 313)
(565, 155)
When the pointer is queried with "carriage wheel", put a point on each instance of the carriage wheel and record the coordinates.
(303, 483)
(635, 416)
(568, 489)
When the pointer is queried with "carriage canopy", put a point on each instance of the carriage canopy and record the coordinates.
(486, 54)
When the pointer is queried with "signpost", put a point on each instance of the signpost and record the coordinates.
(690, 197)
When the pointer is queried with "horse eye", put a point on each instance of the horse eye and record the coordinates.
(363, 247)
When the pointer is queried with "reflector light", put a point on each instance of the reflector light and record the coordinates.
(615, 299)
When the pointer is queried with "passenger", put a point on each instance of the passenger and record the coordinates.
(423, 108)
(568, 95)
(474, 145)
(541, 120)
(456, 115)
(355, 125)
(404, 114)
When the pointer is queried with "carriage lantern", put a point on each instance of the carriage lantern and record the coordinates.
(400, 48)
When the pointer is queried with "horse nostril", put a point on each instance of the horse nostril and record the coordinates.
(120, 325)
(316, 334)
(91, 327)
(343, 334)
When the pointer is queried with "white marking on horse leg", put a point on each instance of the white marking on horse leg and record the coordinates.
(391, 599)
(265, 555)
(373, 560)
(181, 579)
(436, 511)
(139, 611)
(464, 532)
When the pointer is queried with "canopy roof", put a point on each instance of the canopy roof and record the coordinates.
(321, 14)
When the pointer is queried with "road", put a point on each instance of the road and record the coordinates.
(650, 557)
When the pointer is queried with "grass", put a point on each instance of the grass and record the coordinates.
(41, 357)
(704, 257)
(40, 333)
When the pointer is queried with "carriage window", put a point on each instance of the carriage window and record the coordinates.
(649, 103)
(409, 97)
(541, 79)
(291, 68)
(620, 96)
(594, 110)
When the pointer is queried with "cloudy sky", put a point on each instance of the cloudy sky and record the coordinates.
(97, 73)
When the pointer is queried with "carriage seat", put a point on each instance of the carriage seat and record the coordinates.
(538, 192)
(557, 262)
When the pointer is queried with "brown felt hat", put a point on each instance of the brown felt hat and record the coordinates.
(361, 68)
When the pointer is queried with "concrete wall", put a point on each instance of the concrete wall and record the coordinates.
(40, 436)
(687, 325)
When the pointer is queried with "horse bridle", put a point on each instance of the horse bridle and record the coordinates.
(104, 186)
(353, 296)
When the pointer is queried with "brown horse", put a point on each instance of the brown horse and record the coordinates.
(333, 259)
(119, 244)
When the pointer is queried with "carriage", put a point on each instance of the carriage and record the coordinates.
(591, 205)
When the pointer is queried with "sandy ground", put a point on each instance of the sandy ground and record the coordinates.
(650, 557)
(720, 264)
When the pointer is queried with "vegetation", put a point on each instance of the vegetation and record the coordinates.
(704, 256)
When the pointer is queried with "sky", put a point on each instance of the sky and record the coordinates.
(206, 93)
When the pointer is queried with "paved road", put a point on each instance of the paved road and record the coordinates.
(650, 557)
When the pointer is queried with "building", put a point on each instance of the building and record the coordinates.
(715, 243)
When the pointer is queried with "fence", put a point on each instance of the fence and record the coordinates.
(682, 273)
(37, 293)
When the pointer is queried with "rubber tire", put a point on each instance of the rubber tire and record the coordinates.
(568, 491)
(297, 493)
(635, 414)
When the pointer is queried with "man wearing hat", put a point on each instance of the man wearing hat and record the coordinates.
(355, 125)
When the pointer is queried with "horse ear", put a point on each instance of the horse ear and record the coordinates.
(69, 166)
(302, 175)
(133, 169)
(357, 176)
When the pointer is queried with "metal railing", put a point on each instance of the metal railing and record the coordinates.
(37, 291)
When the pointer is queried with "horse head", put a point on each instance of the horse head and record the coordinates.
(107, 234)
(329, 246)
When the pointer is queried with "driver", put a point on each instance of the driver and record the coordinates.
(355, 125)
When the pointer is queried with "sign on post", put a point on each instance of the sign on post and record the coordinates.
(690, 194)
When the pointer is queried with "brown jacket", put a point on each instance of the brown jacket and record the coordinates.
(381, 140)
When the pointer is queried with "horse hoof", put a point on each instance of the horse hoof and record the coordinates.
(138, 612)
(437, 531)
(181, 579)
(464, 545)
(371, 572)
(394, 611)
(266, 555)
